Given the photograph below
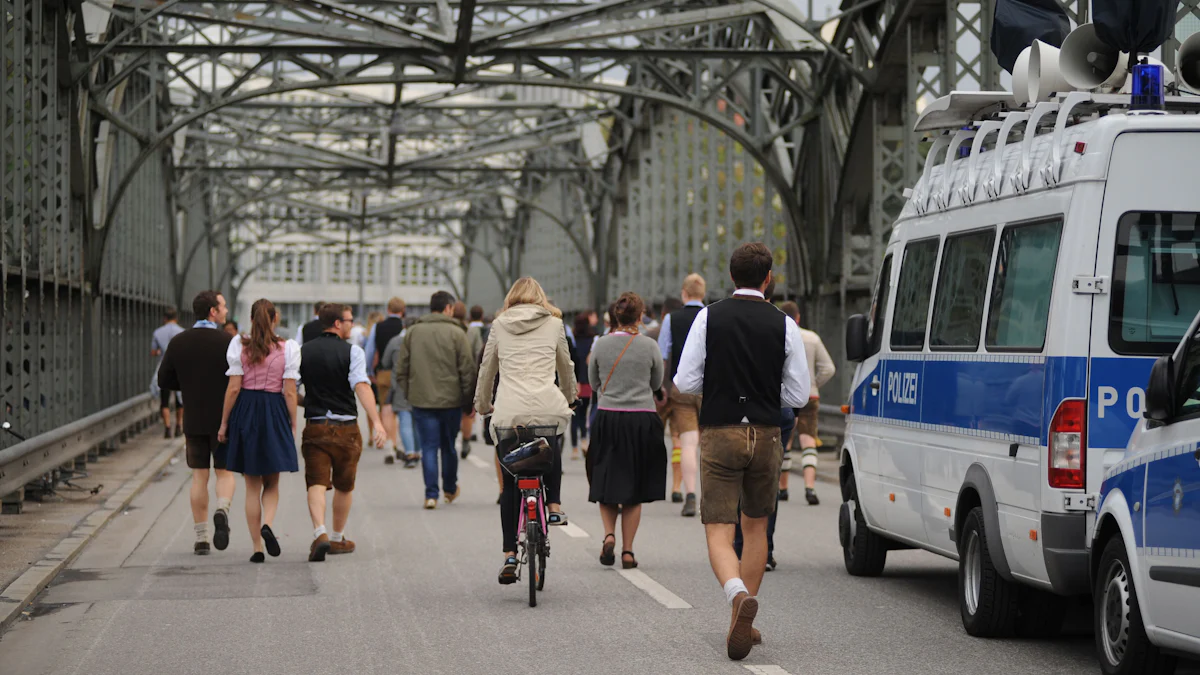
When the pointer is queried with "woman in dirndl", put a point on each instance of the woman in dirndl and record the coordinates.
(627, 460)
(259, 419)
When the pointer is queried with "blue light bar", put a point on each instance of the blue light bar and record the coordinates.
(1148, 93)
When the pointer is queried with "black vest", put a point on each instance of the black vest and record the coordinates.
(311, 331)
(743, 367)
(681, 324)
(325, 372)
(384, 332)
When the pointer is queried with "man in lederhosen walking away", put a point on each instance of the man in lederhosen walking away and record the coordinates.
(747, 358)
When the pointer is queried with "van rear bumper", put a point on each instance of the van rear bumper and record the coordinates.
(1064, 548)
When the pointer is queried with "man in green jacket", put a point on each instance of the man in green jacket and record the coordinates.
(436, 371)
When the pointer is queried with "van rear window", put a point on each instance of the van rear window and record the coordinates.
(1156, 281)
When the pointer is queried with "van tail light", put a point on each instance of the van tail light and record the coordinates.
(1067, 446)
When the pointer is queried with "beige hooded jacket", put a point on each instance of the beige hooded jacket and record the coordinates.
(527, 346)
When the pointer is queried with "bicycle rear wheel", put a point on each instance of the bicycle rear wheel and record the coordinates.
(533, 545)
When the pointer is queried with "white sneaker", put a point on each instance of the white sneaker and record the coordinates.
(430, 503)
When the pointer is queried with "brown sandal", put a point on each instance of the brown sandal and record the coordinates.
(628, 564)
(606, 552)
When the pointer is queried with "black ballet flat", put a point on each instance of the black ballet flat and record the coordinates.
(270, 541)
(258, 557)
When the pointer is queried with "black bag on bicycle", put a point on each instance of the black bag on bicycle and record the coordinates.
(533, 449)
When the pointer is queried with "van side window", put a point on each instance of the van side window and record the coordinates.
(962, 282)
(912, 295)
(879, 307)
(1187, 398)
(1024, 280)
(1156, 282)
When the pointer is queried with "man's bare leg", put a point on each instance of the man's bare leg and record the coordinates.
(316, 506)
(391, 427)
(199, 496)
(341, 512)
(754, 552)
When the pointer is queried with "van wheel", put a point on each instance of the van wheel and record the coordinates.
(863, 551)
(987, 601)
(1121, 641)
(1041, 613)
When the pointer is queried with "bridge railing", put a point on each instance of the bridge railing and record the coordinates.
(831, 424)
(67, 449)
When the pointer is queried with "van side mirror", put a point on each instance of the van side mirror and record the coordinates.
(1160, 391)
(856, 338)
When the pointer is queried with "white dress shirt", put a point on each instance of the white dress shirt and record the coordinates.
(796, 380)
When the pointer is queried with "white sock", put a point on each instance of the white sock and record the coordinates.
(223, 504)
(336, 536)
(318, 532)
(733, 587)
(201, 531)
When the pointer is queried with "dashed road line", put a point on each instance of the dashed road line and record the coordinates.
(654, 589)
(478, 462)
(573, 530)
(767, 670)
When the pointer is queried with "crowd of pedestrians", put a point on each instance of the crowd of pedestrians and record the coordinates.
(729, 385)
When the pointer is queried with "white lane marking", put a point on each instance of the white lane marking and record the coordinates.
(767, 670)
(573, 530)
(478, 462)
(654, 589)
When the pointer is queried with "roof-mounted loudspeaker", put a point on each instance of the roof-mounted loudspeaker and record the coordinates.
(1189, 62)
(1088, 63)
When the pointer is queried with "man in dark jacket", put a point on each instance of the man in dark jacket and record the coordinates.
(312, 329)
(436, 371)
(194, 364)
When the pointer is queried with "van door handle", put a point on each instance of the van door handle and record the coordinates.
(875, 385)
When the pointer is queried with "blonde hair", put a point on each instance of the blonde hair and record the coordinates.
(694, 286)
(527, 291)
(396, 306)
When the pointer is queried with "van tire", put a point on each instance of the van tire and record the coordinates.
(864, 554)
(1115, 584)
(1041, 613)
(987, 601)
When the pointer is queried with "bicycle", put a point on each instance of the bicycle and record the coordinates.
(526, 463)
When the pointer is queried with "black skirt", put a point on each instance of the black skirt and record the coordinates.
(627, 459)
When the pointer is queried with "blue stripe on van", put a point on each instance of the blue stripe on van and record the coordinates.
(1006, 397)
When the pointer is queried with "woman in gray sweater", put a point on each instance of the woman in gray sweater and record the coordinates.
(627, 461)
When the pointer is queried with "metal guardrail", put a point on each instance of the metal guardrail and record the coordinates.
(831, 422)
(28, 460)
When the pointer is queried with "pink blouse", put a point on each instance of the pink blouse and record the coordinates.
(282, 363)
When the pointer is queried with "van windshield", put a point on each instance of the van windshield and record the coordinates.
(1156, 282)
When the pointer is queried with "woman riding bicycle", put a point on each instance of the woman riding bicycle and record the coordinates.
(528, 346)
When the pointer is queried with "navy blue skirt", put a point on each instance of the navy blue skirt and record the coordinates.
(260, 435)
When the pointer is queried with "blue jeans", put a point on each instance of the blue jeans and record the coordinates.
(409, 437)
(437, 429)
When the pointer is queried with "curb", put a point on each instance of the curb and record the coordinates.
(22, 591)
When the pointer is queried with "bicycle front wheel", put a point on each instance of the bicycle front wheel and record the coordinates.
(533, 547)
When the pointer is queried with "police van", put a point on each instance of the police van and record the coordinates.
(1146, 545)
(1047, 255)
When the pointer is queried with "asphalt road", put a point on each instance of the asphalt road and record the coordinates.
(420, 596)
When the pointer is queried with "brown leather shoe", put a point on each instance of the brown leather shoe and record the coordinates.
(320, 546)
(755, 637)
(343, 546)
(740, 639)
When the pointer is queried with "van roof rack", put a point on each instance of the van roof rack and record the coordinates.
(961, 109)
